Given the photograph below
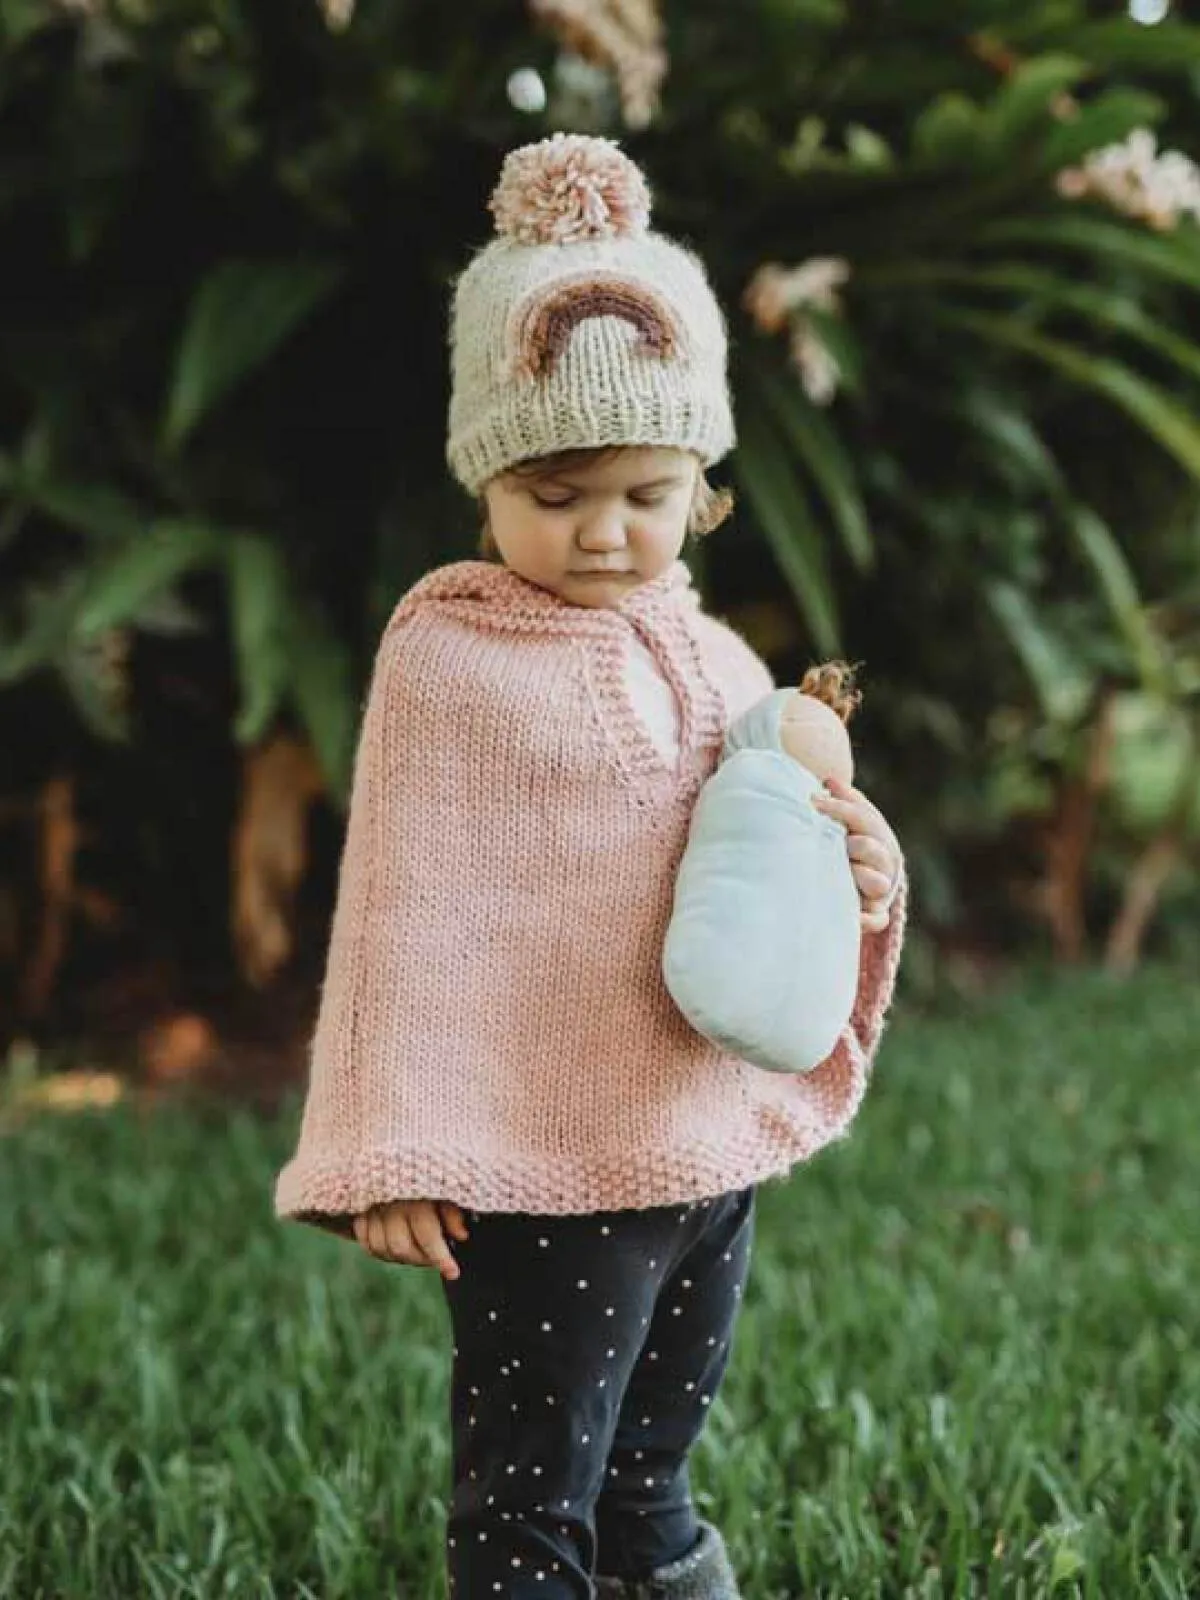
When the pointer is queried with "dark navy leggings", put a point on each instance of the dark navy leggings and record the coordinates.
(587, 1351)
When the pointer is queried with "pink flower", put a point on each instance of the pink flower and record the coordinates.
(1156, 188)
(776, 298)
(622, 36)
(774, 291)
(766, 297)
(819, 372)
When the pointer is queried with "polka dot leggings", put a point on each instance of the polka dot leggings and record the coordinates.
(587, 1351)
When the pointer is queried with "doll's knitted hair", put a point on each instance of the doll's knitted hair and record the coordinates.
(833, 682)
(576, 326)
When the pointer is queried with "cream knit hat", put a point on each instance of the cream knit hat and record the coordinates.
(578, 326)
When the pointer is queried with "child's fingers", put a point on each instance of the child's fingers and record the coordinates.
(362, 1230)
(427, 1232)
(856, 814)
(869, 850)
(400, 1244)
(380, 1233)
(847, 791)
(862, 817)
(453, 1218)
(844, 811)
(376, 1236)
(411, 1234)
(872, 884)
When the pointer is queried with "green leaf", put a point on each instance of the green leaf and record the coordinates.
(782, 511)
(1149, 406)
(817, 444)
(1169, 46)
(1007, 430)
(1175, 257)
(866, 148)
(1061, 682)
(125, 579)
(21, 19)
(1024, 99)
(241, 314)
(1154, 765)
(260, 595)
(92, 508)
(1119, 588)
(1107, 120)
(1117, 311)
(50, 611)
(322, 683)
(949, 130)
(1120, 313)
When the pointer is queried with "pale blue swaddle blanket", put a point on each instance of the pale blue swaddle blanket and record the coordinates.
(762, 951)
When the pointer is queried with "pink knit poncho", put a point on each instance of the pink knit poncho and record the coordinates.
(494, 1028)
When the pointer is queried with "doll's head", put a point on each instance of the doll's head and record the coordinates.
(588, 365)
(812, 724)
(594, 523)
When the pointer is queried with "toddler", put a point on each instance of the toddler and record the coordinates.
(500, 1085)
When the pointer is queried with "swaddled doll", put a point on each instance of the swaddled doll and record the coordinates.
(762, 949)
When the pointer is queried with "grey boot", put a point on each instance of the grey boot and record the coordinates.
(703, 1574)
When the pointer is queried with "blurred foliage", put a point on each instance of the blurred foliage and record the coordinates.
(229, 232)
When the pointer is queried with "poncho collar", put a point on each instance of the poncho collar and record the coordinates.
(495, 594)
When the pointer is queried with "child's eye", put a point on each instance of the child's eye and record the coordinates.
(552, 505)
(647, 499)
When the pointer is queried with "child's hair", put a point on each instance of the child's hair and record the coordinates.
(833, 683)
(709, 509)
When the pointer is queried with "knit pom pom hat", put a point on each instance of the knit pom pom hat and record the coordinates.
(576, 325)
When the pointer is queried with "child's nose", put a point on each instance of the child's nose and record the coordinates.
(604, 530)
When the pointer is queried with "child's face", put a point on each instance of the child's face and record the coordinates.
(626, 513)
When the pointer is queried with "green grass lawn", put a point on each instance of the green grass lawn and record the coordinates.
(968, 1364)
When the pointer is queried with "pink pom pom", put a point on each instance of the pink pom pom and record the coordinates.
(569, 187)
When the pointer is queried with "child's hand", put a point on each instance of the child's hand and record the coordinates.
(412, 1233)
(875, 856)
